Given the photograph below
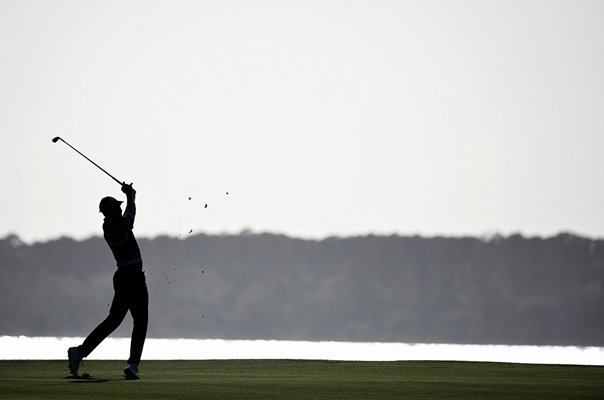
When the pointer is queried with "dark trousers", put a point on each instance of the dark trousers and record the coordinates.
(130, 294)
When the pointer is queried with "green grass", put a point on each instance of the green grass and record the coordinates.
(287, 379)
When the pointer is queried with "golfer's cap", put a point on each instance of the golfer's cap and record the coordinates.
(108, 203)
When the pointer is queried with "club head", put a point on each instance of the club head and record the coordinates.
(54, 140)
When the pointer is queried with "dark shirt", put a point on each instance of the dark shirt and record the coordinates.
(120, 238)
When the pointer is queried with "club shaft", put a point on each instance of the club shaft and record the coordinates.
(95, 164)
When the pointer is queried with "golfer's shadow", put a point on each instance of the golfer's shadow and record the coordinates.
(90, 380)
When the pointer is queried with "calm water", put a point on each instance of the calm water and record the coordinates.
(52, 348)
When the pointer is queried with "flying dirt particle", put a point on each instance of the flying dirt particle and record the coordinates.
(191, 231)
(227, 192)
(189, 198)
(203, 316)
(206, 206)
(202, 271)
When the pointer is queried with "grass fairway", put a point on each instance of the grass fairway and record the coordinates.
(287, 379)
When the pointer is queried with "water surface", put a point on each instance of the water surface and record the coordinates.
(54, 348)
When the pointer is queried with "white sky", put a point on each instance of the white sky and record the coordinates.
(318, 117)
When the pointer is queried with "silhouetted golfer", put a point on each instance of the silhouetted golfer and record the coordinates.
(128, 282)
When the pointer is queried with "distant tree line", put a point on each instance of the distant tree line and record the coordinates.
(506, 290)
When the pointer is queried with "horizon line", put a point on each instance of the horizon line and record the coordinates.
(247, 232)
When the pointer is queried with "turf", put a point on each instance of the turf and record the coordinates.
(288, 379)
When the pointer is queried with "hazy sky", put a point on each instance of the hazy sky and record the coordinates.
(317, 117)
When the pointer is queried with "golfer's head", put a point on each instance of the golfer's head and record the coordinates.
(110, 207)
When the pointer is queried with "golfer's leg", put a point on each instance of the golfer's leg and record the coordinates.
(117, 312)
(140, 316)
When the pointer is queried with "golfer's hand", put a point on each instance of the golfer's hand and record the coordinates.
(128, 189)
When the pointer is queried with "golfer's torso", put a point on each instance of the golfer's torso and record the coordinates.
(122, 243)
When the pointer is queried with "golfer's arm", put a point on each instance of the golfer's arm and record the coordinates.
(130, 211)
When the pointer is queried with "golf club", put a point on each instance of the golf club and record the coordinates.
(56, 139)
